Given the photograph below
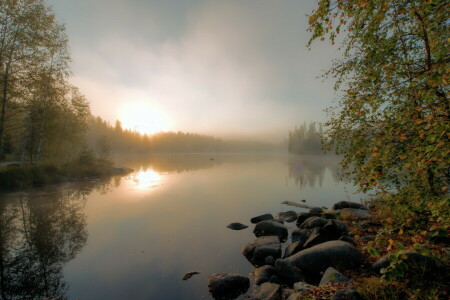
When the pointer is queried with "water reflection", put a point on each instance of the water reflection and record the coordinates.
(40, 232)
(310, 170)
(146, 179)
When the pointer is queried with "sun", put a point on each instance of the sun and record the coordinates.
(143, 117)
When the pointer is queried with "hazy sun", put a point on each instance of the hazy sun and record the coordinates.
(143, 117)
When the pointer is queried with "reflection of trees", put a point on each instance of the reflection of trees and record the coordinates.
(309, 170)
(39, 234)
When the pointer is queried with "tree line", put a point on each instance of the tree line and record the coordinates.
(105, 140)
(306, 139)
(42, 116)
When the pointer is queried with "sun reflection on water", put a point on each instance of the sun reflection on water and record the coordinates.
(146, 179)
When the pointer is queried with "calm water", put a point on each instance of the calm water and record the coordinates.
(134, 237)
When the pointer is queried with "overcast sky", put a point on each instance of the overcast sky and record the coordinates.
(215, 67)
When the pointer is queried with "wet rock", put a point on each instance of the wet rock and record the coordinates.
(302, 286)
(353, 213)
(189, 275)
(346, 294)
(302, 217)
(287, 272)
(268, 291)
(293, 248)
(287, 216)
(300, 235)
(348, 204)
(317, 210)
(227, 285)
(314, 222)
(332, 275)
(263, 274)
(260, 218)
(237, 226)
(268, 228)
(429, 267)
(261, 248)
(317, 259)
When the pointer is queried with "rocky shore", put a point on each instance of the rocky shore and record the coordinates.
(317, 257)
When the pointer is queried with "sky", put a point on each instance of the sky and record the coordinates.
(227, 68)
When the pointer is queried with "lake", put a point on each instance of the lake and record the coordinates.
(134, 237)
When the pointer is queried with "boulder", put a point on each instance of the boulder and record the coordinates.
(346, 294)
(332, 275)
(296, 296)
(302, 217)
(353, 213)
(313, 222)
(300, 235)
(269, 260)
(287, 216)
(260, 218)
(293, 248)
(287, 272)
(268, 228)
(262, 248)
(317, 210)
(348, 204)
(317, 259)
(268, 291)
(302, 286)
(263, 274)
(348, 239)
(228, 285)
(237, 226)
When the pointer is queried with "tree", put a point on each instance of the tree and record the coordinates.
(392, 118)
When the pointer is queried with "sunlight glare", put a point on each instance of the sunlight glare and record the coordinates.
(143, 117)
(143, 180)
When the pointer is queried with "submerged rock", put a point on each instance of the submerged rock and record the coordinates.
(268, 228)
(348, 204)
(237, 226)
(258, 251)
(332, 275)
(287, 216)
(227, 285)
(260, 218)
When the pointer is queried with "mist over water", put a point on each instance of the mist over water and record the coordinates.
(135, 236)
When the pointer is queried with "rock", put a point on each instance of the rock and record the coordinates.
(346, 294)
(314, 222)
(329, 216)
(353, 213)
(189, 275)
(317, 259)
(237, 226)
(285, 293)
(348, 204)
(348, 239)
(302, 217)
(287, 272)
(274, 279)
(332, 275)
(316, 210)
(300, 235)
(227, 285)
(268, 291)
(368, 223)
(428, 267)
(293, 248)
(296, 296)
(302, 286)
(263, 274)
(260, 218)
(269, 260)
(268, 228)
(261, 248)
(321, 235)
(287, 216)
